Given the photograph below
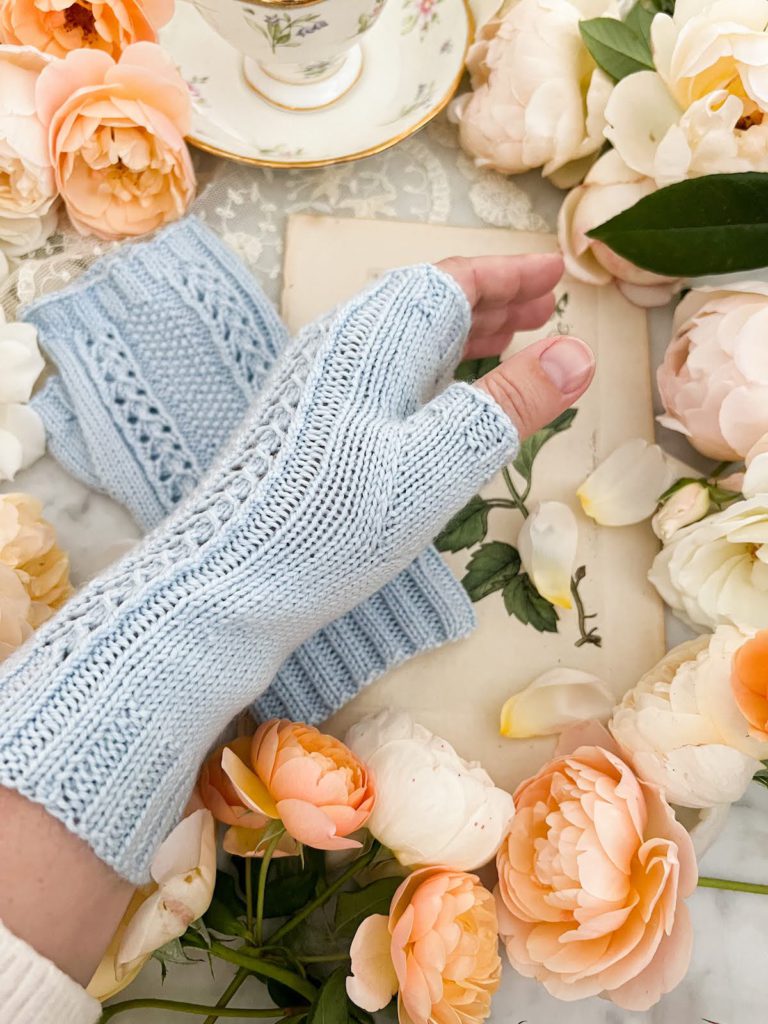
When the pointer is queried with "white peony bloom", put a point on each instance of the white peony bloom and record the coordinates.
(538, 97)
(27, 188)
(547, 545)
(687, 505)
(22, 437)
(625, 488)
(554, 700)
(432, 807)
(658, 139)
(716, 571)
(610, 188)
(682, 730)
(706, 45)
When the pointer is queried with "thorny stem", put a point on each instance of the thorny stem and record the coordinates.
(590, 636)
(248, 958)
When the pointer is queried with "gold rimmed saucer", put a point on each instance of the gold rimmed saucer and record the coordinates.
(413, 60)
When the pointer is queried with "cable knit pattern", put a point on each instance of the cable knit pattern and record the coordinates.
(142, 315)
(337, 479)
(34, 991)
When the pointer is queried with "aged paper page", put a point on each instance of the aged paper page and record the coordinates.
(458, 690)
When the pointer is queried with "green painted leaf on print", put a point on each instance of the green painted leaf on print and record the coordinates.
(531, 447)
(491, 568)
(523, 600)
(467, 528)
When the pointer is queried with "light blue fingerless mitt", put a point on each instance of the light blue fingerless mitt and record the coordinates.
(161, 348)
(338, 477)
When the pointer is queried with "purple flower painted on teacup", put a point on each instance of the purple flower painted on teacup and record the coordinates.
(282, 29)
(307, 30)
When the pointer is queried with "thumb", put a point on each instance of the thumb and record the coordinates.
(538, 383)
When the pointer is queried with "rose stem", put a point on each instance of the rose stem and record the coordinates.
(262, 885)
(726, 883)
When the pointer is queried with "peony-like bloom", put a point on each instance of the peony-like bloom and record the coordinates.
(708, 45)
(681, 727)
(658, 139)
(432, 807)
(438, 949)
(625, 488)
(15, 608)
(554, 700)
(592, 878)
(547, 544)
(22, 436)
(56, 27)
(687, 505)
(749, 685)
(183, 877)
(538, 98)
(293, 773)
(28, 547)
(116, 134)
(714, 381)
(27, 186)
(609, 188)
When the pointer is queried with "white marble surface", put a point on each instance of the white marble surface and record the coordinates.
(427, 178)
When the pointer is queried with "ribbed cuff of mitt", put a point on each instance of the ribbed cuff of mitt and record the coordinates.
(423, 608)
(34, 991)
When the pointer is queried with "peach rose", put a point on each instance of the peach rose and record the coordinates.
(592, 876)
(28, 548)
(59, 26)
(749, 683)
(14, 612)
(293, 773)
(438, 948)
(116, 136)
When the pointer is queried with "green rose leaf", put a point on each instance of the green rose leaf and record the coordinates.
(291, 882)
(640, 19)
(467, 528)
(332, 1005)
(226, 908)
(523, 600)
(616, 46)
(531, 447)
(472, 369)
(717, 224)
(352, 908)
(491, 568)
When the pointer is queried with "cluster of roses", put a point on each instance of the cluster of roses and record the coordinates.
(91, 110)
(691, 100)
(593, 867)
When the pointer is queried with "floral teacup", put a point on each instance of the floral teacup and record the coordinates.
(299, 54)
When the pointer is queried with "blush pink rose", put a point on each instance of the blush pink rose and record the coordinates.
(438, 949)
(592, 876)
(293, 773)
(714, 378)
(58, 26)
(116, 137)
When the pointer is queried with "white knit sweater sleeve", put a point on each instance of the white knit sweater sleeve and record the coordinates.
(34, 991)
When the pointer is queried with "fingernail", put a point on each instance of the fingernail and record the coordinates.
(568, 363)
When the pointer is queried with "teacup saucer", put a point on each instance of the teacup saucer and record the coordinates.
(413, 60)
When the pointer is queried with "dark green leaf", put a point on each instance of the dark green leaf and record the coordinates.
(717, 224)
(226, 907)
(490, 568)
(353, 907)
(472, 369)
(683, 481)
(332, 1005)
(361, 1016)
(616, 47)
(468, 527)
(291, 882)
(639, 20)
(282, 996)
(531, 447)
(523, 600)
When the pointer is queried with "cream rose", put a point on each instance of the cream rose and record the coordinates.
(706, 46)
(432, 807)
(609, 188)
(682, 729)
(714, 378)
(27, 187)
(538, 98)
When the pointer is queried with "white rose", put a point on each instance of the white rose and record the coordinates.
(22, 437)
(687, 505)
(432, 807)
(657, 138)
(716, 571)
(681, 727)
(705, 46)
(609, 188)
(27, 198)
(538, 98)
